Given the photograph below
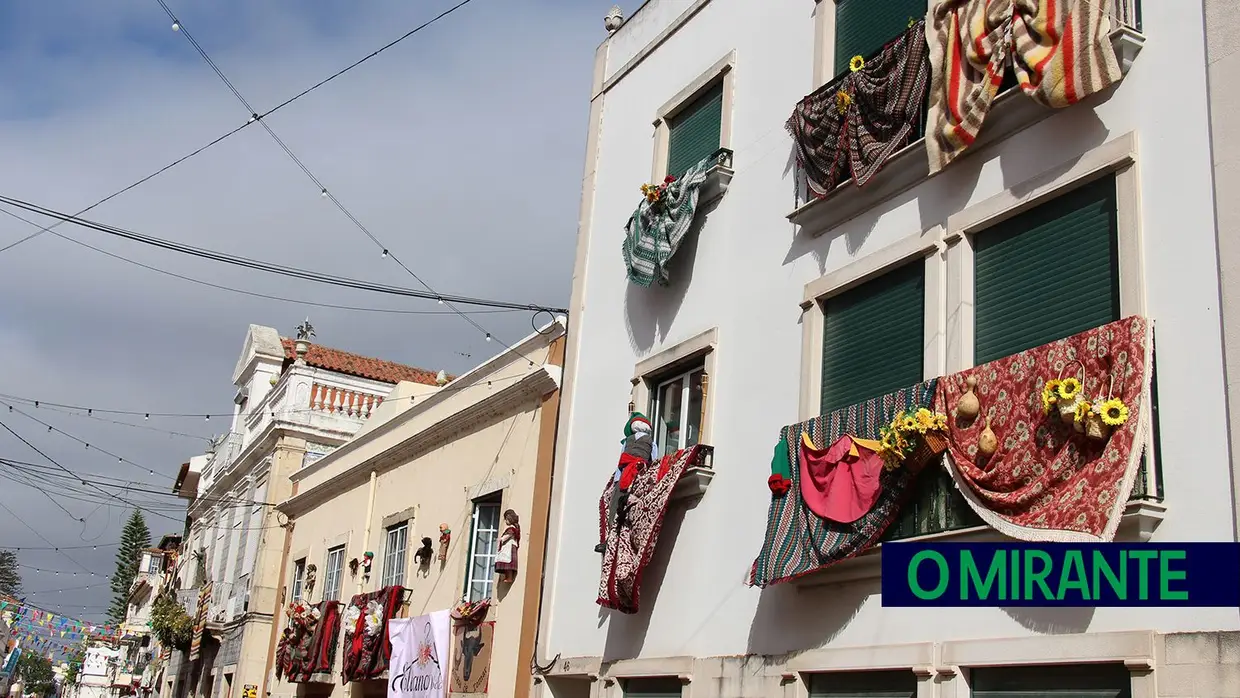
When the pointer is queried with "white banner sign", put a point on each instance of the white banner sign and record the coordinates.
(419, 666)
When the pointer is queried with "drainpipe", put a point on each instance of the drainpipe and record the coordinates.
(370, 511)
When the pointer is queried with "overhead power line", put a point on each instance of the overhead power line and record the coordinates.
(270, 267)
(386, 251)
(253, 119)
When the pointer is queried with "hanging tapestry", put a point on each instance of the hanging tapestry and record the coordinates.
(631, 543)
(1049, 480)
(798, 541)
(419, 656)
(367, 646)
(850, 126)
(1060, 50)
(471, 657)
(307, 647)
(658, 226)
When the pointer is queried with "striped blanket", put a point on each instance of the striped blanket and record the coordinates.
(310, 655)
(655, 230)
(850, 126)
(1060, 51)
(797, 541)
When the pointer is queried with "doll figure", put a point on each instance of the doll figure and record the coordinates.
(423, 556)
(639, 451)
(445, 537)
(509, 543)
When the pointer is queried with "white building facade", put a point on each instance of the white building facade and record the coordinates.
(296, 401)
(751, 335)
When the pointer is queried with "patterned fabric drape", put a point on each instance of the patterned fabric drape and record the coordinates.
(656, 230)
(1060, 50)
(849, 127)
(310, 655)
(797, 541)
(630, 547)
(1046, 482)
(368, 650)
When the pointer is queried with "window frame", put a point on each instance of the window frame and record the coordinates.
(686, 376)
(495, 501)
(297, 586)
(724, 70)
(395, 574)
(337, 577)
(947, 249)
(824, 68)
(697, 352)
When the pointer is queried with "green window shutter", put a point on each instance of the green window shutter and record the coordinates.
(862, 27)
(872, 337)
(1047, 273)
(694, 133)
(1078, 681)
(660, 687)
(863, 684)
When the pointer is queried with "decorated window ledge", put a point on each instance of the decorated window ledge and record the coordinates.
(665, 214)
(904, 167)
(697, 477)
(1053, 443)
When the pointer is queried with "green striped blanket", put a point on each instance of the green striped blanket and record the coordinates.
(798, 541)
(654, 231)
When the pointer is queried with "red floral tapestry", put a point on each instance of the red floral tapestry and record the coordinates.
(367, 646)
(1047, 481)
(631, 545)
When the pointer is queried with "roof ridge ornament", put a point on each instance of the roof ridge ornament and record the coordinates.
(302, 346)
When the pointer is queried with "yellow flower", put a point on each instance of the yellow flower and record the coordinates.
(1082, 409)
(925, 417)
(940, 422)
(1048, 401)
(857, 63)
(1114, 412)
(908, 424)
(842, 100)
(1068, 388)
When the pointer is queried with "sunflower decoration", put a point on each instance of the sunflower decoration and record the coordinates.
(1082, 411)
(842, 101)
(907, 432)
(1050, 395)
(1068, 389)
(857, 63)
(1114, 412)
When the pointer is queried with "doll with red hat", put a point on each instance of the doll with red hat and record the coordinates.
(639, 451)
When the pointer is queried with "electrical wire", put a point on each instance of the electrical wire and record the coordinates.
(386, 251)
(40, 536)
(253, 118)
(270, 267)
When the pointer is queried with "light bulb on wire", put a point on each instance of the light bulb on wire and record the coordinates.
(488, 336)
(176, 26)
(385, 253)
(324, 192)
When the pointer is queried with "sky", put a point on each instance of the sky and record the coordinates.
(461, 149)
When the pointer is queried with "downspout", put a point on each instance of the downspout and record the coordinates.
(370, 511)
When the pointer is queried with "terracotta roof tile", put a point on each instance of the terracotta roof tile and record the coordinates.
(362, 366)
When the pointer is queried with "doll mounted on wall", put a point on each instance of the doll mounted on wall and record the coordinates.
(423, 556)
(639, 451)
(509, 544)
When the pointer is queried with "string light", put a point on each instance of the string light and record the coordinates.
(324, 192)
(385, 253)
(176, 26)
(488, 336)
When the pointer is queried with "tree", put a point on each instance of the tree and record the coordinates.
(10, 578)
(172, 626)
(134, 539)
(36, 672)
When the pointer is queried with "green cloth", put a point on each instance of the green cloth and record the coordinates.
(654, 231)
(780, 464)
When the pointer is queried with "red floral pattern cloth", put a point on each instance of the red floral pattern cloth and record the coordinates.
(630, 547)
(366, 656)
(1046, 482)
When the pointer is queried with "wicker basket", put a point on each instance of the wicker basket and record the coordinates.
(929, 446)
(1095, 428)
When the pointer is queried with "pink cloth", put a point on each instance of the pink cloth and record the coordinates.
(840, 483)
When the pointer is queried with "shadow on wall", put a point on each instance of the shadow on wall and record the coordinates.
(790, 619)
(1052, 621)
(626, 634)
(650, 311)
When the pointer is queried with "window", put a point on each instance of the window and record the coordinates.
(863, 27)
(299, 579)
(483, 546)
(334, 571)
(153, 563)
(863, 684)
(872, 337)
(695, 132)
(1047, 273)
(394, 555)
(1076, 681)
(661, 687)
(677, 410)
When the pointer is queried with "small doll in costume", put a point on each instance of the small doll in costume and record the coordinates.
(423, 556)
(639, 451)
(509, 543)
